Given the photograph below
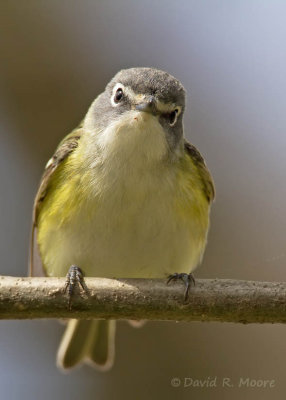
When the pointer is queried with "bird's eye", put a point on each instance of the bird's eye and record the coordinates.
(173, 117)
(118, 95)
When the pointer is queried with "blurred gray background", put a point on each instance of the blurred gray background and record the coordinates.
(55, 57)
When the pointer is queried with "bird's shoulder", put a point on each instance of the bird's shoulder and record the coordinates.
(203, 171)
(64, 149)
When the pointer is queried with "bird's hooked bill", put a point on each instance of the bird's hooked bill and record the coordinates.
(148, 106)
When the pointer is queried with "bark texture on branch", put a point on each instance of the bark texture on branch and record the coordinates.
(223, 300)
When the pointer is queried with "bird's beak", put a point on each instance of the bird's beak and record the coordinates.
(148, 106)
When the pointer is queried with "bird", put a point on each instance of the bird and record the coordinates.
(125, 195)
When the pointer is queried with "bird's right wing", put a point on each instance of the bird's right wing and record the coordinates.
(65, 148)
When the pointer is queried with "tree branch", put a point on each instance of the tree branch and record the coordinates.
(210, 300)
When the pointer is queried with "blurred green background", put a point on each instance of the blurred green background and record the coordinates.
(55, 57)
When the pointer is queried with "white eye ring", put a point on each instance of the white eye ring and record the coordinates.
(173, 116)
(117, 94)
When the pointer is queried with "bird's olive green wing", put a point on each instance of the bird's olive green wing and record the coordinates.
(206, 178)
(65, 148)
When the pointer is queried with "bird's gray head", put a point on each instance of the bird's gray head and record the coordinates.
(142, 91)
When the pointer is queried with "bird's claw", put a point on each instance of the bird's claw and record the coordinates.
(74, 277)
(187, 279)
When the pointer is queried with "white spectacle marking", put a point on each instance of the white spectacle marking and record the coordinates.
(116, 87)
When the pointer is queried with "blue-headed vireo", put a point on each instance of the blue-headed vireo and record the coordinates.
(125, 195)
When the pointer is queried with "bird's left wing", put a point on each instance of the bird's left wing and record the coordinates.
(204, 173)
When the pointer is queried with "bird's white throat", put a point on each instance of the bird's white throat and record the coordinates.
(135, 138)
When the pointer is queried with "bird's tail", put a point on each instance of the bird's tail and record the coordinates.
(90, 341)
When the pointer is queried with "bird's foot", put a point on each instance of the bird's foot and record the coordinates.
(188, 279)
(74, 277)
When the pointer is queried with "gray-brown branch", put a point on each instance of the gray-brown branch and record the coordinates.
(151, 299)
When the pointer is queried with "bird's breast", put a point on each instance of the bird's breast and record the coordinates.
(132, 228)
